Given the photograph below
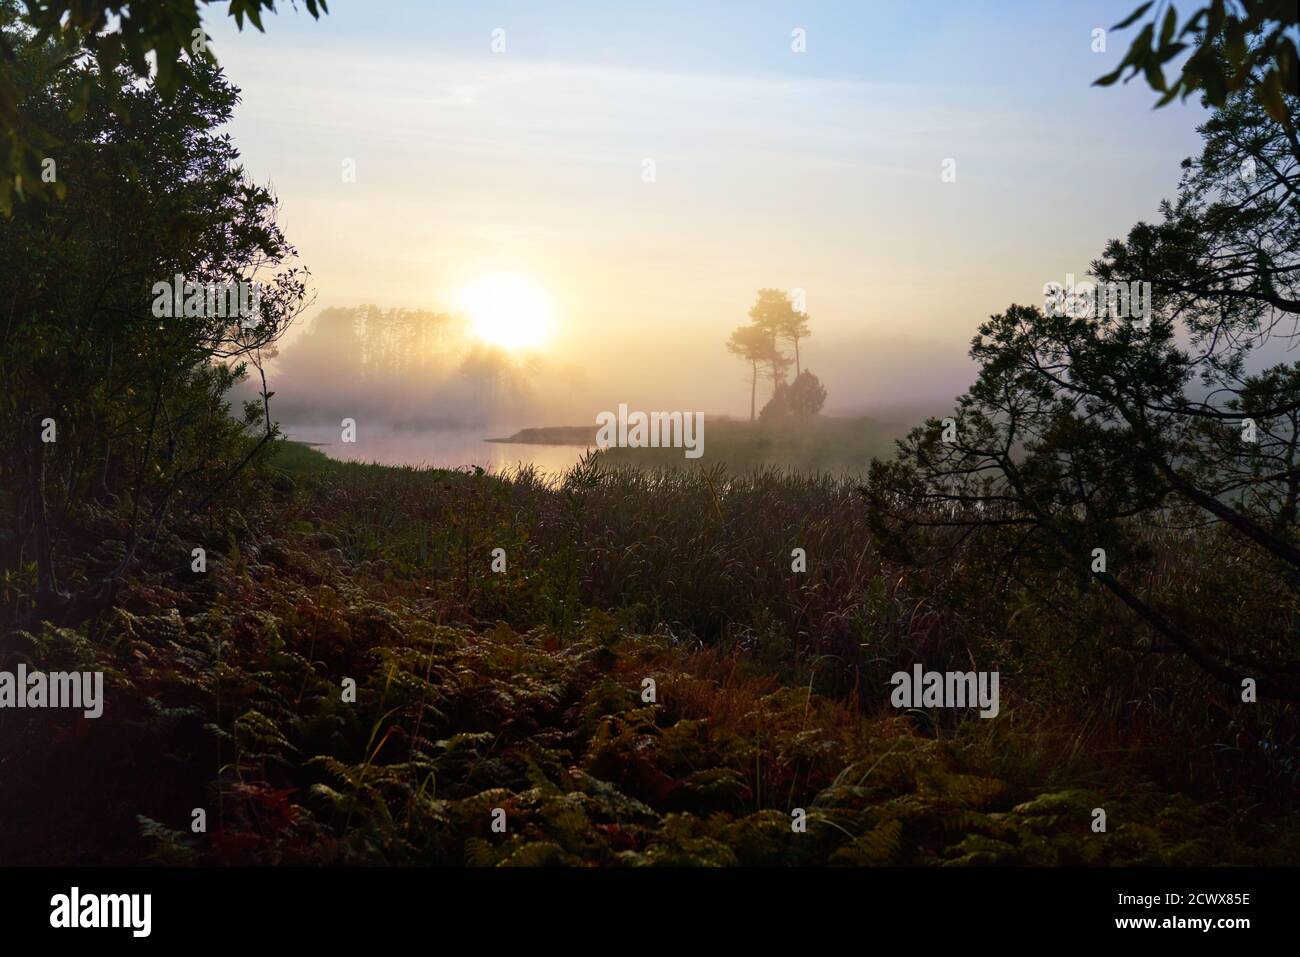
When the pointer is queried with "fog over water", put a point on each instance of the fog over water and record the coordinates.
(437, 447)
(411, 168)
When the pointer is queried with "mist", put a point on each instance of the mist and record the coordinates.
(399, 368)
(420, 369)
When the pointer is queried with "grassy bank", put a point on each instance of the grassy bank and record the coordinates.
(821, 443)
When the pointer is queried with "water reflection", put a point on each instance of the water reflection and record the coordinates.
(440, 448)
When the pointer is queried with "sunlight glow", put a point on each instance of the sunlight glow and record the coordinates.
(508, 311)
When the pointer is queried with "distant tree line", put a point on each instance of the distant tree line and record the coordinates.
(402, 367)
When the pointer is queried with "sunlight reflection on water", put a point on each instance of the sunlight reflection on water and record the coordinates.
(440, 448)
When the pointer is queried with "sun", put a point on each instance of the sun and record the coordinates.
(507, 310)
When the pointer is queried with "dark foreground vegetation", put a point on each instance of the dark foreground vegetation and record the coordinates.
(310, 662)
(523, 690)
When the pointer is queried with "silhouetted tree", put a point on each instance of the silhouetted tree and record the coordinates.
(777, 408)
(806, 396)
(801, 399)
(137, 40)
(1083, 433)
(1236, 45)
(773, 313)
(754, 345)
(137, 402)
(793, 328)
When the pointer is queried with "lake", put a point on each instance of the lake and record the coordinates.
(441, 448)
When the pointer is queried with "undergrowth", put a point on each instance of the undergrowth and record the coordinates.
(526, 691)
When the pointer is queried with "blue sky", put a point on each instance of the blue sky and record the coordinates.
(874, 40)
(816, 170)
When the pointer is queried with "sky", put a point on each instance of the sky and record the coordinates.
(818, 170)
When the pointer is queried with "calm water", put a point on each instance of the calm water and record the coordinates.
(443, 448)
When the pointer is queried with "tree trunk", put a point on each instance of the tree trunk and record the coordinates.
(753, 389)
(1275, 546)
(797, 369)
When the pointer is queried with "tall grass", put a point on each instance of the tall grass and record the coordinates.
(522, 688)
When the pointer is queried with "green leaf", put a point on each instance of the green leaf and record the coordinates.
(1110, 77)
(1155, 76)
(1132, 17)
(1270, 97)
(1167, 30)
